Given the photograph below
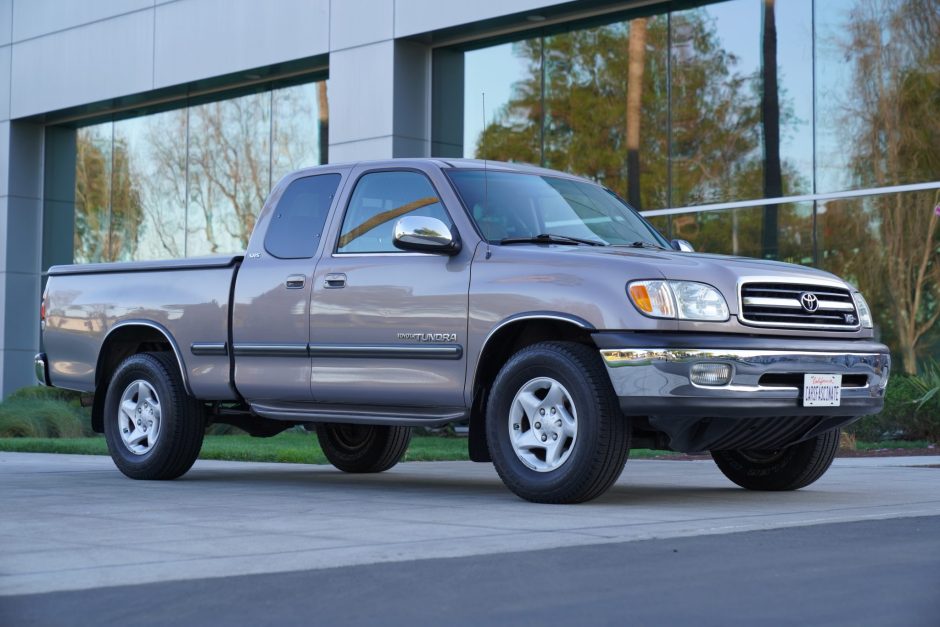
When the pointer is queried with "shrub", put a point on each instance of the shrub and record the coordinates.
(44, 413)
(906, 416)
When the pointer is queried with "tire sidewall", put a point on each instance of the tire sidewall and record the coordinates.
(525, 366)
(147, 368)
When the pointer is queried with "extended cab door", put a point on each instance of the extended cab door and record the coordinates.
(270, 317)
(388, 327)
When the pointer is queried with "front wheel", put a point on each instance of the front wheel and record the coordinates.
(363, 448)
(554, 426)
(154, 430)
(791, 468)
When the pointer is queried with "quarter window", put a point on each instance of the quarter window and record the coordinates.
(300, 215)
(378, 202)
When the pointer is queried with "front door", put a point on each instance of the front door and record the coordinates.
(389, 327)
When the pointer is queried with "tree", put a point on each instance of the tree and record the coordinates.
(892, 118)
(108, 211)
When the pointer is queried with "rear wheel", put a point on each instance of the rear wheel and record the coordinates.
(363, 448)
(791, 468)
(554, 426)
(154, 430)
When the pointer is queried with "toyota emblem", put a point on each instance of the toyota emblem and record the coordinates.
(809, 301)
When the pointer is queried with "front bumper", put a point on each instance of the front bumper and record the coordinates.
(651, 374)
(41, 366)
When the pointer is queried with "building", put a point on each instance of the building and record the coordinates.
(790, 129)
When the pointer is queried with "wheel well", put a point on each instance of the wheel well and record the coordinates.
(118, 346)
(502, 345)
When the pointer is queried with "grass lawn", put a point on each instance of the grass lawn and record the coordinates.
(289, 446)
(302, 448)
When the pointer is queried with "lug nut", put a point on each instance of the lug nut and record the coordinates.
(542, 411)
(139, 422)
(553, 411)
(554, 436)
(538, 425)
(544, 437)
(558, 423)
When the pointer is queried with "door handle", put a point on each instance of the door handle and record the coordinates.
(295, 282)
(333, 281)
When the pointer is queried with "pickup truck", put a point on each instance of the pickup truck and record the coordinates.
(538, 306)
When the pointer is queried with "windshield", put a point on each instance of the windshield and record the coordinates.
(514, 205)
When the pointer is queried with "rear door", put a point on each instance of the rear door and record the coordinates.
(270, 317)
(388, 327)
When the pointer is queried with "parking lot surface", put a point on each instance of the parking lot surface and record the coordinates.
(74, 522)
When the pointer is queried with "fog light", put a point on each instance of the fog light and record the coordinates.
(710, 374)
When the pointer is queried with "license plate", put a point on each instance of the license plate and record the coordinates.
(822, 390)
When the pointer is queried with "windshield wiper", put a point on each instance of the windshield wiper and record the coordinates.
(640, 244)
(551, 238)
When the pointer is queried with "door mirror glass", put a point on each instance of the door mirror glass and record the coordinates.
(425, 234)
(682, 246)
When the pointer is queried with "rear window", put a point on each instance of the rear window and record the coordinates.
(300, 215)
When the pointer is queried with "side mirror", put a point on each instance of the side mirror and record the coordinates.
(682, 246)
(425, 234)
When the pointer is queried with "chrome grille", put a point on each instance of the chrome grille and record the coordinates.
(774, 304)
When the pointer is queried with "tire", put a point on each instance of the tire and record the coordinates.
(150, 387)
(791, 468)
(567, 381)
(363, 448)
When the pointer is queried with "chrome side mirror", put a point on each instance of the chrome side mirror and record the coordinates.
(682, 246)
(425, 234)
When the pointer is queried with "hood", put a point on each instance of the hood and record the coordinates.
(721, 271)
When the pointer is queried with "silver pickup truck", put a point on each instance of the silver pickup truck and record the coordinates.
(375, 297)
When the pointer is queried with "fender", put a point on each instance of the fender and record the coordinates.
(163, 331)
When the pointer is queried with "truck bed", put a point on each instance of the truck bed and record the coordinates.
(187, 301)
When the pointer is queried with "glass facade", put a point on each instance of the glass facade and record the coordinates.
(191, 181)
(698, 115)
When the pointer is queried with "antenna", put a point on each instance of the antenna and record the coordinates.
(486, 189)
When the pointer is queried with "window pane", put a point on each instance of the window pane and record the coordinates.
(92, 193)
(297, 224)
(149, 188)
(715, 103)
(878, 75)
(740, 232)
(594, 126)
(510, 76)
(379, 200)
(880, 244)
(300, 128)
(229, 172)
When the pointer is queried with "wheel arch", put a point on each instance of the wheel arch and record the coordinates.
(505, 339)
(124, 339)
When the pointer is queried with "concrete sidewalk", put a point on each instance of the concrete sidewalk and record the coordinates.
(74, 522)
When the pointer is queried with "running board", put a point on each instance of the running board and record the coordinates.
(361, 414)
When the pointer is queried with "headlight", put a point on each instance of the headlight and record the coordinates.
(864, 313)
(685, 300)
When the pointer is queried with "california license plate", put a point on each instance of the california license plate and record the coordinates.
(822, 390)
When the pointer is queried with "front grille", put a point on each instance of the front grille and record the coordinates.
(779, 305)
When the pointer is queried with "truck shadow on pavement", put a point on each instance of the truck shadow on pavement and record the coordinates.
(320, 481)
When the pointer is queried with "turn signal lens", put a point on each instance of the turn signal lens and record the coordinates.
(864, 313)
(653, 298)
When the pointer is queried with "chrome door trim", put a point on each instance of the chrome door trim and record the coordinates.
(387, 351)
(247, 349)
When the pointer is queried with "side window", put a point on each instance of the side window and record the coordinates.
(297, 224)
(379, 200)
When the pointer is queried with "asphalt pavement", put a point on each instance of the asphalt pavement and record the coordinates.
(431, 543)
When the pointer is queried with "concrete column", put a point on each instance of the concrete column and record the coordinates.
(20, 262)
(379, 87)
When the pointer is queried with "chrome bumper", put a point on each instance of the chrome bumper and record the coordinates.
(656, 381)
(41, 368)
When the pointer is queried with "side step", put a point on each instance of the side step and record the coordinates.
(361, 414)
